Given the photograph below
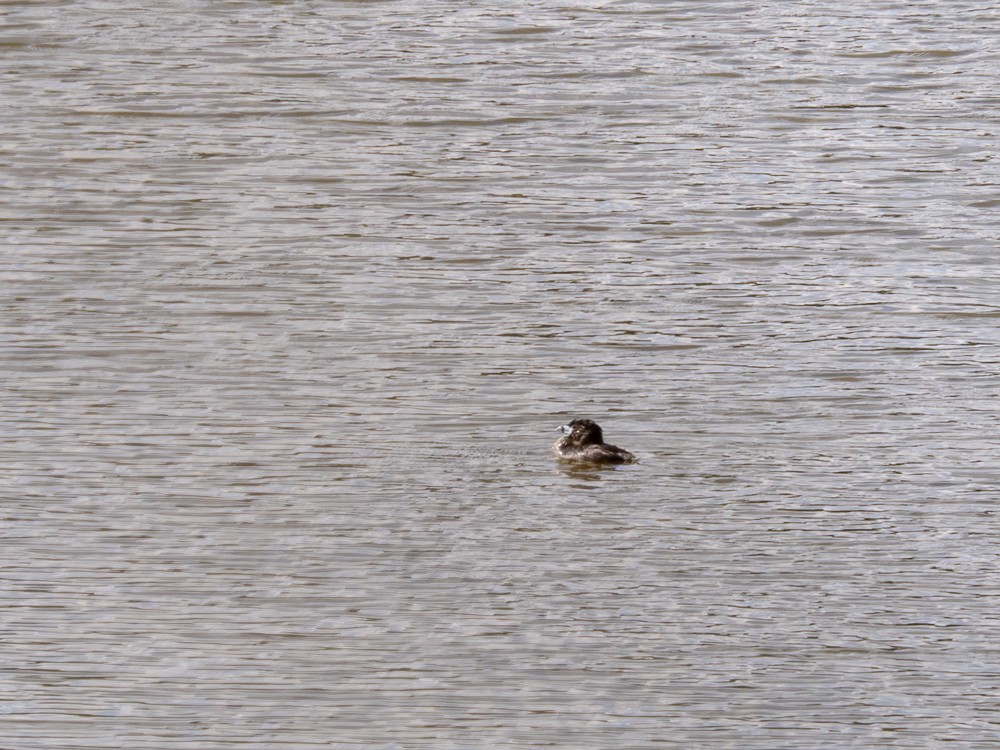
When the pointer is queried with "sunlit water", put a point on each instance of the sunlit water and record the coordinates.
(295, 296)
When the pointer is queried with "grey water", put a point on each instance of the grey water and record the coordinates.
(294, 295)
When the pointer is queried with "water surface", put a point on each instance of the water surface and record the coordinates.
(294, 296)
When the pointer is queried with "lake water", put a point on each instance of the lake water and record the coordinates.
(295, 295)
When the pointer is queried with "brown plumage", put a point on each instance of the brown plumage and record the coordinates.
(584, 441)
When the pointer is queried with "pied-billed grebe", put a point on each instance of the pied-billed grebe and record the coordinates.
(584, 441)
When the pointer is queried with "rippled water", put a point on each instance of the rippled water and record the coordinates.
(296, 294)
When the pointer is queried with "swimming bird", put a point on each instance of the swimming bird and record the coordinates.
(583, 440)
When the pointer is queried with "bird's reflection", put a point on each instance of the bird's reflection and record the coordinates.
(589, 472)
